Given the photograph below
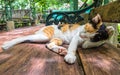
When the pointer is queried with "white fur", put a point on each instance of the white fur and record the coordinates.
(70, 37)
(70, 58)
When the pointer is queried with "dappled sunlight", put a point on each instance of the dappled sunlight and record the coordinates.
(104, 64)
(30, 53)
(55, 58)
(37, 66)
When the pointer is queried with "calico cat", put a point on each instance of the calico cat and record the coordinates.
(92, 34)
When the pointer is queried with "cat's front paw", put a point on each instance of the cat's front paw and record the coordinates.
(70, 58)
(58, 49)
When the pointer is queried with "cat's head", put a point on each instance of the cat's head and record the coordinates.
(94, 24)
(97, 31)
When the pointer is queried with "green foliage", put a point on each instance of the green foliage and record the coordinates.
(20, 4)
(119, 28)
(88, 1)
(119, 32)
(39, 4)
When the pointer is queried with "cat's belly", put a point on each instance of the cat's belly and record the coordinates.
(61, 36)
(66, 37)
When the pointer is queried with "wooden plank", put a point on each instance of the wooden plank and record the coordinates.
(33, 58)
(104, 60)
(109, 12)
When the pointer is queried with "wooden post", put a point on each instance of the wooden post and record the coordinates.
(10, 25)
(36, 21)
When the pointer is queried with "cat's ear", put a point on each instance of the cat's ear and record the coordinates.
(59, 23)
(97, 19)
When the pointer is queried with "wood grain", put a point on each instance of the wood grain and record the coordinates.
(104, 60)
(35, 59)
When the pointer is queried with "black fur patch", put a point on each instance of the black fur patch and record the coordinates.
(59, 27)
(102, 34)
(93, 24)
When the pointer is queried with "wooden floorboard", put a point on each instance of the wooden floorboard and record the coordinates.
(104, 60)
(33, 58)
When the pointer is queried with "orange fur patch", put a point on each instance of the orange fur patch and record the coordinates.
(65, 27)
(57, 41)
(49, 31)
(74, 26)
(89, 28)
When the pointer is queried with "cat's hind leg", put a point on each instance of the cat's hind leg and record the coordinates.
(31, 38)
(55, 46)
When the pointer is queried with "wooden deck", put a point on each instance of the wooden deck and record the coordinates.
(35, 59)
(104, 60)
